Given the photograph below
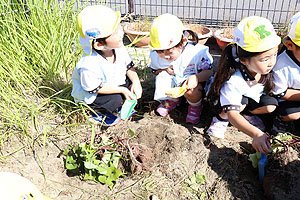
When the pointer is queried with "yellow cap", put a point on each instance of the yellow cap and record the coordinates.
(95, 22)
(255, 34)
(16, 187)
(166, 32)
(294, 29)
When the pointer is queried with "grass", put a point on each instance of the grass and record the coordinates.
(36, 60)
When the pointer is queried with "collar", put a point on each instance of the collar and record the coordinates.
(250, 80)
(101, 53)
(291, 55)
(246, 74)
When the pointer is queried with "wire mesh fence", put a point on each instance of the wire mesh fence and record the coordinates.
(211, 13)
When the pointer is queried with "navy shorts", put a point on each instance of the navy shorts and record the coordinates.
(109, 102)
(288, 107)
(265, 100)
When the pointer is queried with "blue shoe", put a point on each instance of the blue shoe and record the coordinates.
(107, 119)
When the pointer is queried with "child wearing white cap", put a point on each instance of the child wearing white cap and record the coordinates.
(243, 81)
(286, 75)
(176, 61)
(104, 76)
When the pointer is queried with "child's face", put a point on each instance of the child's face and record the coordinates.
(170, 54)
(115, 40)
(294, 49)
(263, 63)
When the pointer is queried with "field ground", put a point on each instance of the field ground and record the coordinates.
(173, 153)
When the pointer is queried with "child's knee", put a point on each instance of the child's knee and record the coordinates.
(291, 117)
(270, 108)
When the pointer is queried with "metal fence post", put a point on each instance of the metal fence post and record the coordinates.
(130, 6)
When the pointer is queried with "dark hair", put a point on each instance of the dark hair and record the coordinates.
(228, 66)
(100, 40)
(194, 38)
(288, 38)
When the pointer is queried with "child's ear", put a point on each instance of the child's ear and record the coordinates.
(243, 61)
(98, 46)
(290, 45)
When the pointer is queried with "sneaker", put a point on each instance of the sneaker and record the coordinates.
(194, 113)
(255, 121)
(280, 126)
(107, 119)
(166, 106)
(217, 128)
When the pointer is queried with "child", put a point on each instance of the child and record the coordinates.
(286, 75)
(243, 81)
(176, 61)
(104, 76)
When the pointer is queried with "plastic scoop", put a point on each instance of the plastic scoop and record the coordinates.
(177, 91)
(262, 163)
(127, 108)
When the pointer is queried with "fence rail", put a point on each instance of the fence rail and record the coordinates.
(211, 13)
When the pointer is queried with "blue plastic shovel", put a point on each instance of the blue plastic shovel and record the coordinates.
(262, 163)
(127, 108)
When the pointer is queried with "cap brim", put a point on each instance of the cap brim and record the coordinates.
(264, 45)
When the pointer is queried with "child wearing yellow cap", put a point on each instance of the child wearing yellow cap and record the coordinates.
(243, 81)
(177, 59)
(104, 76)
(286, 75)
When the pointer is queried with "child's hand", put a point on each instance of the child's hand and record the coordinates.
(127, 93)
(261, 143)
(136, 88)
(191, 82)
(170, 70)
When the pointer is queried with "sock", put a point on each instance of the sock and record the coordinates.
(195, 104)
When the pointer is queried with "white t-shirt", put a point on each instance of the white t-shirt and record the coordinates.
(193, 59)
(240, 84)
(94, 70)
(286, 74)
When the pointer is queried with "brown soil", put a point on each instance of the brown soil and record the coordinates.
(140, 26)
(227, 33)
(173, 152)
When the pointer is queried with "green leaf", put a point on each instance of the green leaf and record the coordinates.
(90, 165)
(102, 169)
(116, 173)
(131, 132)
(106, 157)
(91, 177)
(66, 152)
(254, 158)
(115, 159)
(71, 166)
(200, 178)
(102, 179)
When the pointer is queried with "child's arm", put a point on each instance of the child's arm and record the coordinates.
(106, 89)
(260, 139)
(170, 71)
(292, 95)
(136, 87)
(202, 76)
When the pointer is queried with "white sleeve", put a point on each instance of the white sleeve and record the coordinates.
(89, 79)
(205, 60)
(280, 82)
(230, 94)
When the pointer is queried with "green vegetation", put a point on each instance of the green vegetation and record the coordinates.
(97, 161)
(38, 52)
